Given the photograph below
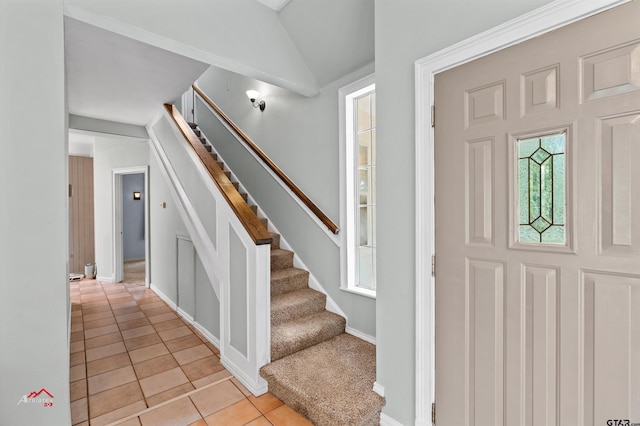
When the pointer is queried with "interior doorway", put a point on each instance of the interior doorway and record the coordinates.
(131, 225)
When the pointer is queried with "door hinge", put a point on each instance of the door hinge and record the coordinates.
(433, 265)
(433, 116)
(433, 413)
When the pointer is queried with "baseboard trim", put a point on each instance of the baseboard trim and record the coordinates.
(109, 279)
(386, 420)
(378, 388)
(163, 296)
(238, 374)
(360, 335)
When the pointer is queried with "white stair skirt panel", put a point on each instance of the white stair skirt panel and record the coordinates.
(242, 280)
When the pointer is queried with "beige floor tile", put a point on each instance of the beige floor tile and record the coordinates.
(174, 333)
(107, 364)
(111, 379)
(285, 416)
(157, 311)
(201, 368)
(78, 389)
(76, 358)
(142, 341)
(97, 308)
(131, 422)
(161, 382)
(105, 351)
(148, 352)
(114, 399)
(79, 411)
(215, 377)
(166, 325)
(120, 413)
(200, 422)
(77, 372)
(162, 317)
(76, 346)
(122, 303)
(104, 312)
(240, 386)
(99, 323)
(78, 326)
(100, 331)
(129, 317)
(147, 306)
(126, 310)
(184, 342)
(215, 398)
(213, 348)
(260, 421)
(195, 353)
(169, 394)
(155, 366)
(77, 336)
(238, 414)
(266, 402)
(135, 323)
(137, 332)
(103, 340)
(180, 412)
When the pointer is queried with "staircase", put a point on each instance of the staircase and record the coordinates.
(316, 368)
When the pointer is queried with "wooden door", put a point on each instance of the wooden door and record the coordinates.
(537, 168)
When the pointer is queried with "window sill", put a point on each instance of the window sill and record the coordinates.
(360, 291)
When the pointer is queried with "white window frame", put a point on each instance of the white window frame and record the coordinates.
(348, 246)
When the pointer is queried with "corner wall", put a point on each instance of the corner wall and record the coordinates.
(109, 154)
(34, 228)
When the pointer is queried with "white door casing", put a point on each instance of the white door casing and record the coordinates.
(540, 334)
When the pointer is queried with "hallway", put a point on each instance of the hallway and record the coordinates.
(134, 361)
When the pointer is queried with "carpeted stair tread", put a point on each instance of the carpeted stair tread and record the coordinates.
(296, 304)
(294, 336)
(281, 259)
(330, 383)
(289, 279)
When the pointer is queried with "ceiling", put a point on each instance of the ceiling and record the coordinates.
(112, 77)
(116, 78)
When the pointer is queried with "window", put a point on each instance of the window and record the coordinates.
(358, 186)
(541, 189)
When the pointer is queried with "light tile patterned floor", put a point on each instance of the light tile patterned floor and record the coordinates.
(134, 361)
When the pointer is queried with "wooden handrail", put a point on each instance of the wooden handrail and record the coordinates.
(247, 217)
(253, 147)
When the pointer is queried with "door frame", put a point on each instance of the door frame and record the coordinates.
(117, 225)
(539, 21)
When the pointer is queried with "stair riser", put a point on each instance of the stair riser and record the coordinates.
(311, 305)
(275, 241)
(307, 336)
(282, 260)
(289, 283)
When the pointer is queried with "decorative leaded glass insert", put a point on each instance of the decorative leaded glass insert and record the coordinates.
(541, 189)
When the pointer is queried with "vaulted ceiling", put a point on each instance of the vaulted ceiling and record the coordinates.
(117, 78)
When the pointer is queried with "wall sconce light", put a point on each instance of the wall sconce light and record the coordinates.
(136, 195)
(254, 97)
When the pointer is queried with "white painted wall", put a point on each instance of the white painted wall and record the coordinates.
(407, 30)
(109, 154)
(301, 136)
(34, 287)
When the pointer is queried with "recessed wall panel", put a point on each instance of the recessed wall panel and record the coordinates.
(540, 306)
(540, 90)
(485, 104)
(612, 345)
(485, 344)
(612, 72)
(620, 185)
(479, 192)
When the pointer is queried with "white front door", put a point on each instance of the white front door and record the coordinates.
(537, 168)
